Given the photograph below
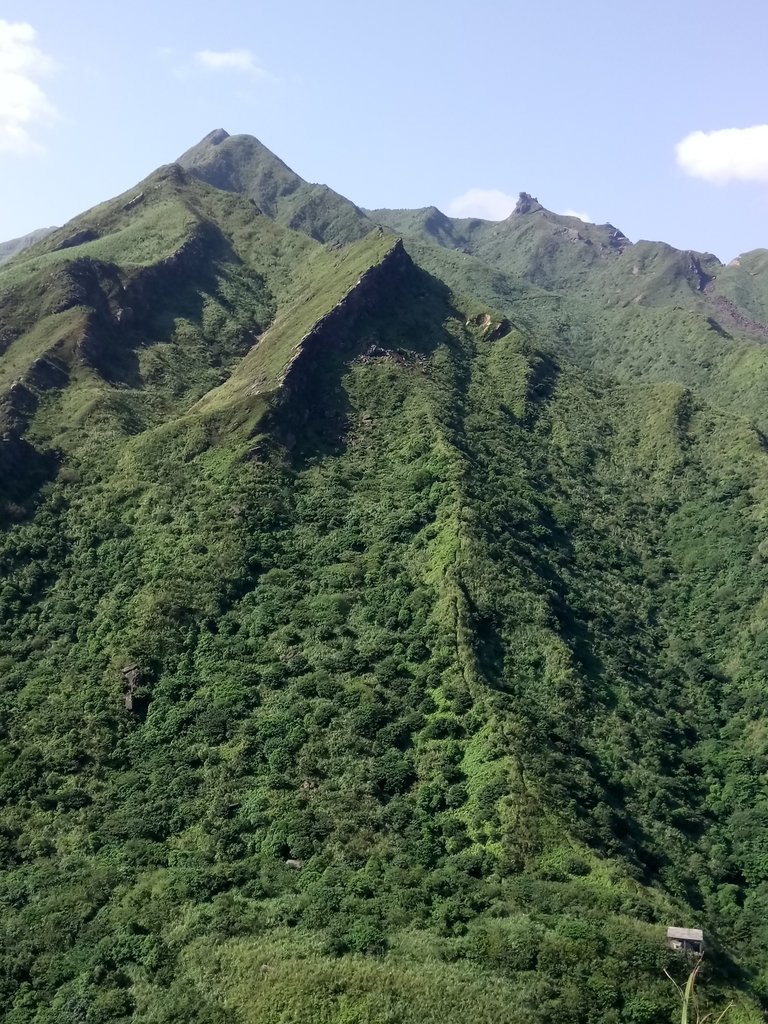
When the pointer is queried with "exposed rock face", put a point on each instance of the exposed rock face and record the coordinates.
(23, 468)
(83, 282)
(131, 679)
(499, 330)
(618, 240)
(492, 329)
(526, 204)
(49, 371)
(135, 697)
(699, 277)
(134, 202)
(78, 238)
(18, 403)
(181, 265)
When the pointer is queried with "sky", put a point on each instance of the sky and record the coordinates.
(653, 115)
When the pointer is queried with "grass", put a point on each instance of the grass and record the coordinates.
(55, 334)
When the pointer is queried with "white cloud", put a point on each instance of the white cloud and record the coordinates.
(23, 102)
(730, 154)
(580, 214)
(488, 203)
(240, 61)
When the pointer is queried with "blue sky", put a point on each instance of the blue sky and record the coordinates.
(623, 112)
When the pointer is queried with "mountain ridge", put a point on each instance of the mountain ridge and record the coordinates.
(14, 246)
(383, 624)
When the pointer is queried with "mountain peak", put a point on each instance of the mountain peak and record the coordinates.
(527, 203)
(215, 138)
(243, 164)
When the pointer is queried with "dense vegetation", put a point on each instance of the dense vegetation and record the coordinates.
(383, 632)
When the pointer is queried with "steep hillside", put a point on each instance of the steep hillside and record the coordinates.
(383, 632)
(741, 289)
(136, 309)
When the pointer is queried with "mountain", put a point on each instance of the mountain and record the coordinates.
(9, 249)
(638, 311)
(563, 253)
(242, 164)
(382, 620)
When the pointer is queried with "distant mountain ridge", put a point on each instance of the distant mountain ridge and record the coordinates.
(526, 244)
(16, 245)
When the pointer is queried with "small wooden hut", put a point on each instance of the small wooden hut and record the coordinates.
(688, 940)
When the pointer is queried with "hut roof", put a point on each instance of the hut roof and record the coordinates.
(691, 934)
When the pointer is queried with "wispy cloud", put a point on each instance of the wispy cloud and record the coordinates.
(23, 103)
(488, 203)
(239, 61)
(729, 154)
(578, 213)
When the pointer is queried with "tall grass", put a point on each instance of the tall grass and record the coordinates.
(690, 1008)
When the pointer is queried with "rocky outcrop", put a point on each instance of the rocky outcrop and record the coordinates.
(698, 277)
(23, 467)
(492, 328)
(78, 238)
(131, 678)
(47, 372)
(526, 204)
(17, 404)
(136, 695)
(617, 240)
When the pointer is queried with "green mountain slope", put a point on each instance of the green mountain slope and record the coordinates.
(242, 164)
(561, 253)
(742, 287)
(382, 632)
(640, 312)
